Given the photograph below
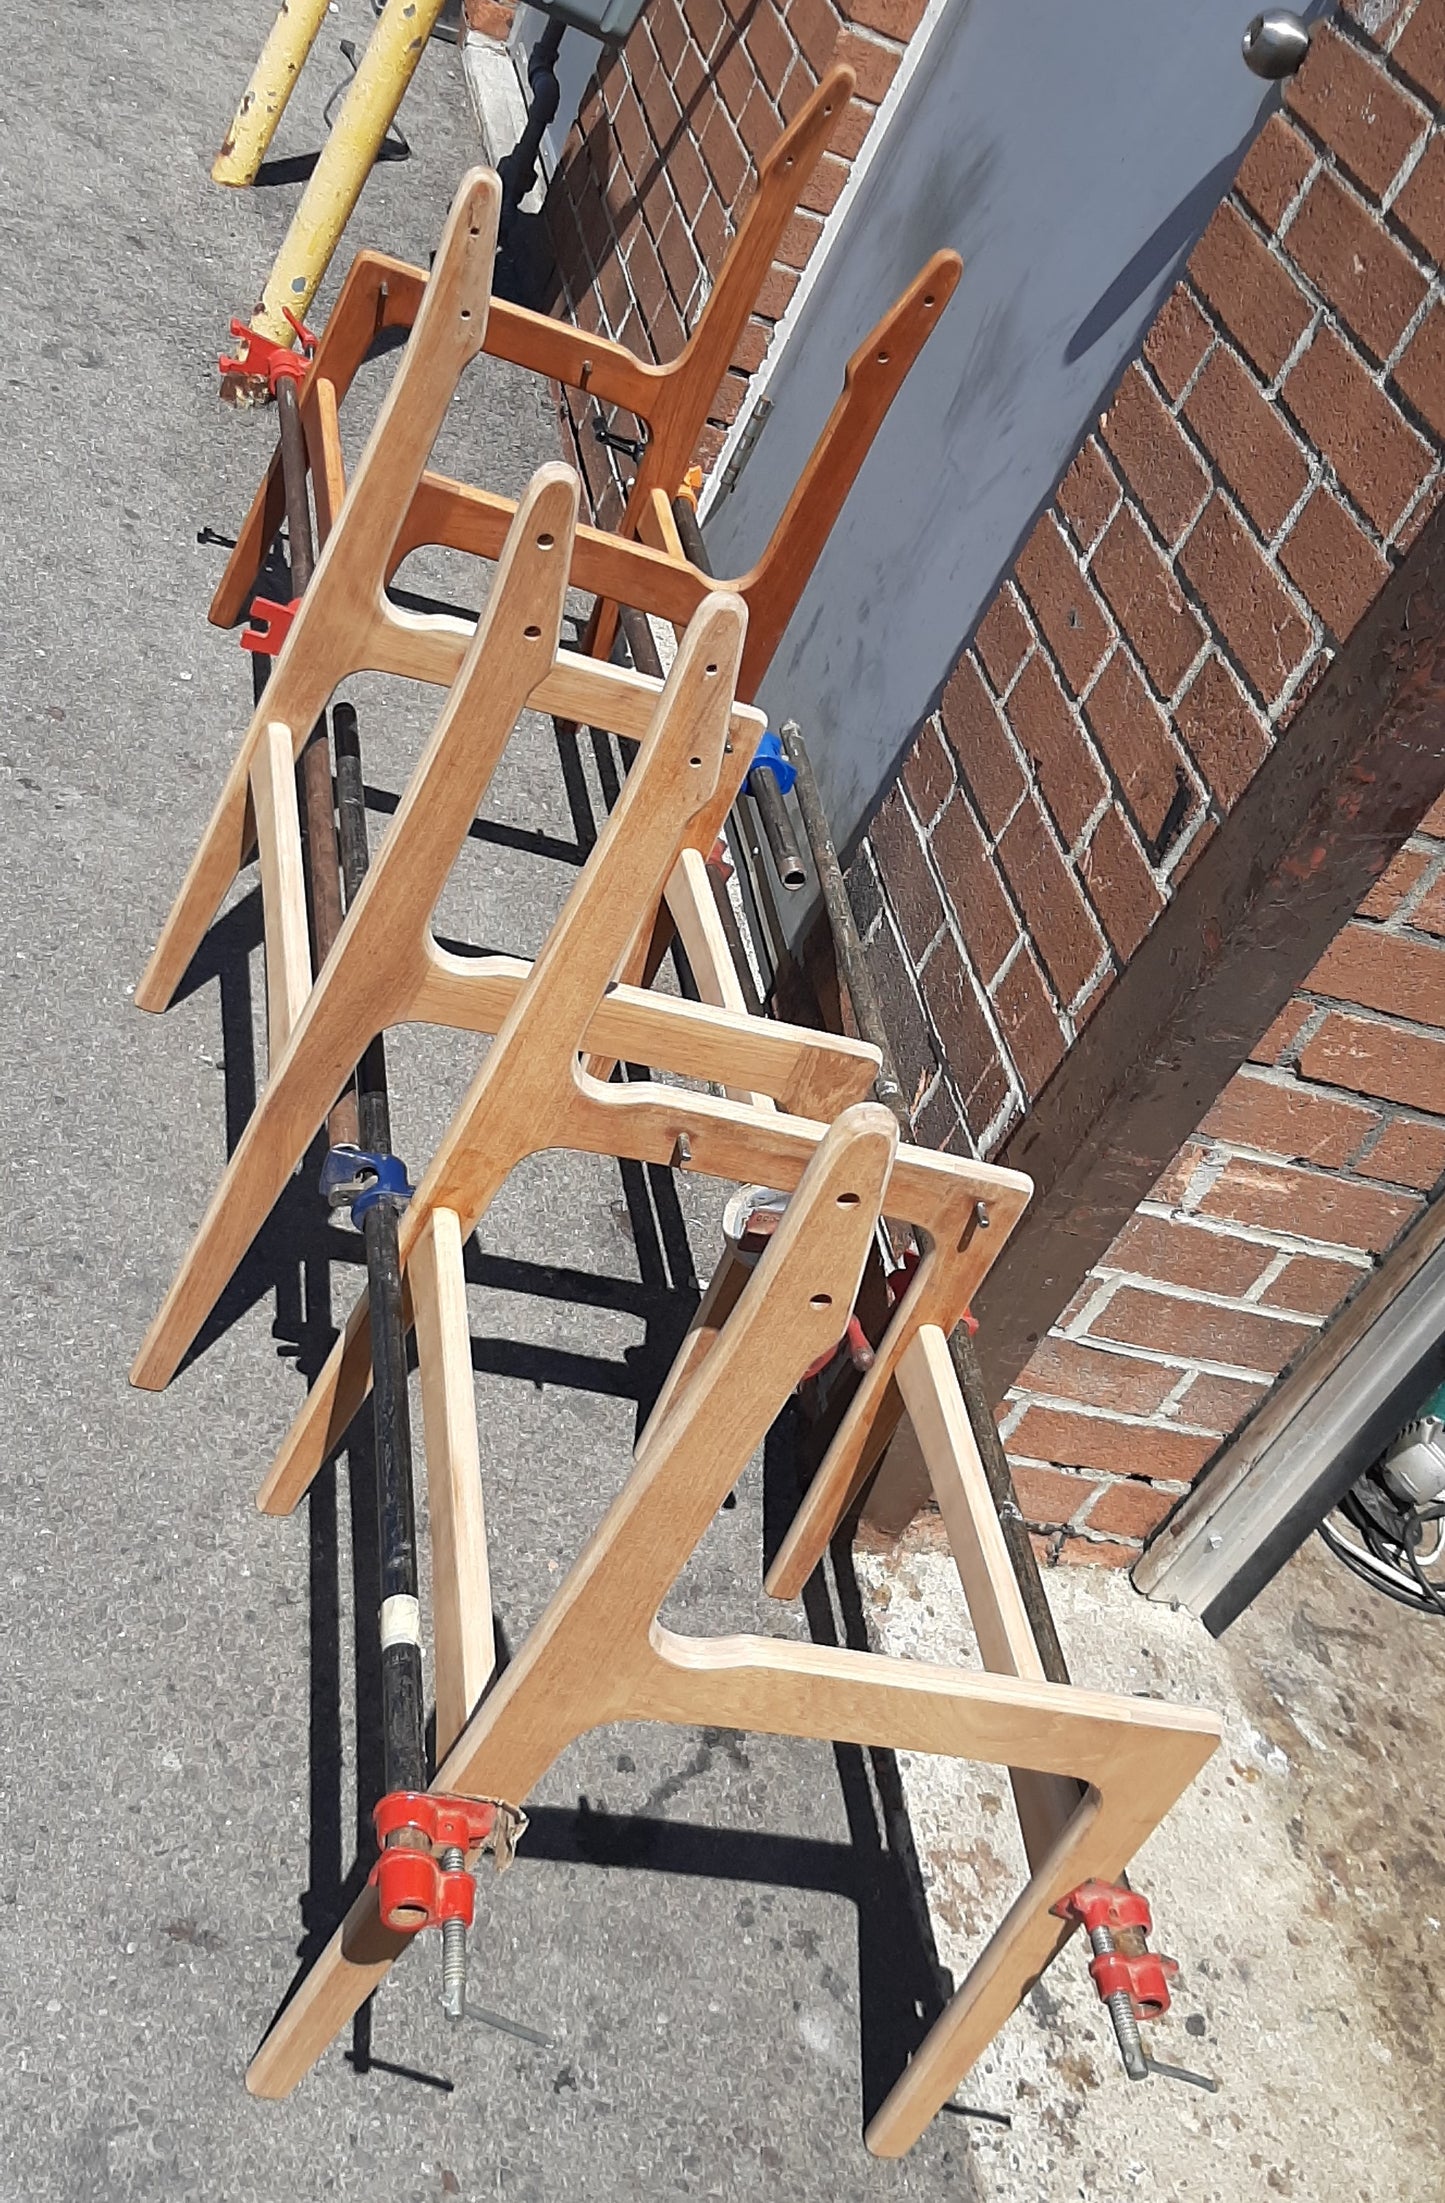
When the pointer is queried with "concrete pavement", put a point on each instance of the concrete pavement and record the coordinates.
(178, 1685)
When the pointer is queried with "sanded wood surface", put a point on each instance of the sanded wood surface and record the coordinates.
(465, 1651)
(709, 954)
(283, 884)
(929, 1387)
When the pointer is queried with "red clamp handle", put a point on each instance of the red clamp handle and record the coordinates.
(1105, 1905)
(1144, 1977)
(270, 624)
(445, 1821)
(262, 356)
(413, 1890)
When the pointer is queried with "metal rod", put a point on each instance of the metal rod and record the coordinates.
(403, 1710)
(291, 38)
(318, 804)
(1121, 2012)
(1181, 2073)
(335, 860)
(842, 925)
(772, 811)
(763, 790)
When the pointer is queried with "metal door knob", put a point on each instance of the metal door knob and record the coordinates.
(1276, 42)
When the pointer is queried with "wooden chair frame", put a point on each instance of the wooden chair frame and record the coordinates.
(600, 1653)
(346, 622)
(386, 967)
(382, 294)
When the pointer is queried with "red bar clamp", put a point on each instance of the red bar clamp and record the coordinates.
(901, 1276)
(413, 1888)
(262, 359)
(270, 624)
(855, 1343)
(1144, 1977)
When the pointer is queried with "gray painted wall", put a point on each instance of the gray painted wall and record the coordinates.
(578, 59)
(1072, 153)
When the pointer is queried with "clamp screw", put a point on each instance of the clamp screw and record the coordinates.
(1121, 2012)
(454, 1944)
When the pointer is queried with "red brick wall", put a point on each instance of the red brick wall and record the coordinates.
(660, 166)
(1313, 1160)
(1258, 472)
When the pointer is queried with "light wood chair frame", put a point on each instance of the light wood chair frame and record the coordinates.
(386, 968)
(600, 1653)
(530, 1092)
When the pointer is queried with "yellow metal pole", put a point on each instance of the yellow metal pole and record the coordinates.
(397, 45)
(293, 34)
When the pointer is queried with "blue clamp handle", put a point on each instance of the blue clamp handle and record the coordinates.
(770, 757)
(366, 1177)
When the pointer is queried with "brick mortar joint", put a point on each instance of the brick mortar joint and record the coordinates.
(1257, 1235)
(1391, 1020)
(1198, 1296)
(1380, 60)
(1163, 870)
(1227, 1151)
(1119, 643)
(1171, 558)
(1322, 314)
(1113, 1418)
(1398, 925)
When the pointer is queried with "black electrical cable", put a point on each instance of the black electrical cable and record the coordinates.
(1427, 1589)
(1387, 1551)
(1359, 1566)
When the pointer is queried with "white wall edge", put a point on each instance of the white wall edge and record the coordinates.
(497, 97)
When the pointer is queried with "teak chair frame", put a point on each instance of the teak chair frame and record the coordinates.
(381, 294)
(600, 1653)
(386, 967)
